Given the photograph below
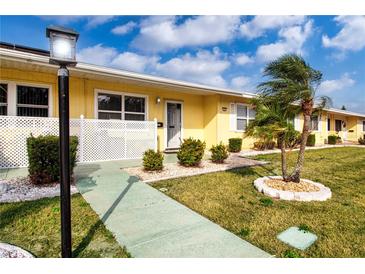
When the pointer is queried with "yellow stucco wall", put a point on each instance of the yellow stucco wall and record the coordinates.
(206, 117)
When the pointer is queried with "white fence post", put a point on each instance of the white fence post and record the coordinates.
(81, 139)
(155, 133)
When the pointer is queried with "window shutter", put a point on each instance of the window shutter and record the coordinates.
(320, 123)
(232, 117)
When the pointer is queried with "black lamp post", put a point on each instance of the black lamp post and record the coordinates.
(63, 53)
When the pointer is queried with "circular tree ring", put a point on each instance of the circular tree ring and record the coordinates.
(323, 194)
(12, 251)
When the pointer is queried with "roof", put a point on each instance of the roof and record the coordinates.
(39, 56)
(27, 54)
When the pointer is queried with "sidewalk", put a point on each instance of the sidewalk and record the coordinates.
(150, 224)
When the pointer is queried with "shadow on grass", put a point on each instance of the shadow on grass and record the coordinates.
(21, 210)
(89, 236)
(254, 171)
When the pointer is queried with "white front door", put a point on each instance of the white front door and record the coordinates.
(344, 130)
(173, 126)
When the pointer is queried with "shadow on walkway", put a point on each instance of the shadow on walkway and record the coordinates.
(87, 239)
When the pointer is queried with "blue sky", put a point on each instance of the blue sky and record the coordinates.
(224, 51)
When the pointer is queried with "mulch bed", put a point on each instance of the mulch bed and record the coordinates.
(302, 186)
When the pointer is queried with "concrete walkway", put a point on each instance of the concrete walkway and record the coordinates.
(149, 223)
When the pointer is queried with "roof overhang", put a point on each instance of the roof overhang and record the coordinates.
(93, 71)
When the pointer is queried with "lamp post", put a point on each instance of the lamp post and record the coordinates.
(63, 53)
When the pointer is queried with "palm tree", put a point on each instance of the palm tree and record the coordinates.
(292, 81)
(272, 121)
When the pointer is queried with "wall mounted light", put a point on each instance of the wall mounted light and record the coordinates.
(158, 100)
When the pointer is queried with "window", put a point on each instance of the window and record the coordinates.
(243, 115)
(110, 106)
(363, 125)
(329, 124)
(314, 123)
(3, 99)
(338, 125)
(32, 101)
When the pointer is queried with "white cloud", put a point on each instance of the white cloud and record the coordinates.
(159, 34)
(261, 23)
(242, 59)
(98, 55)
(205, 67)
(350, 37)
(241, 82)
(124, 29)
(291, 40)
(134, 62)
(91, 21)
(330, 86)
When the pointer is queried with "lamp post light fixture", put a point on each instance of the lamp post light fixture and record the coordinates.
(63, 53)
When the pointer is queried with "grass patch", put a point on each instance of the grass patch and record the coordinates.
(35, 226)
(304, 228)
(266, 201)
(230, 200)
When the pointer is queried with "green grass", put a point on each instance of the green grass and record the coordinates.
(230, 200)
(35, 226)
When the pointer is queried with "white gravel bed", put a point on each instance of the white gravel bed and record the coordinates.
(20, 189)
(175, 170)
(12, 251)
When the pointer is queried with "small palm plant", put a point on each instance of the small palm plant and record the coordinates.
(273, 121)
(293, 82)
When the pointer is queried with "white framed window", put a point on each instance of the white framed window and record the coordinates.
(25, 99)
(3, 99)
(314, 123)
(32, 101)
(240, 116)
(121, 106)
(363, 125)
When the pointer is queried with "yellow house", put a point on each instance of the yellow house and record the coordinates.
(182, 109)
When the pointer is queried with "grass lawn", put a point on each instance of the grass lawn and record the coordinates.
(230, 200)
(35, 226)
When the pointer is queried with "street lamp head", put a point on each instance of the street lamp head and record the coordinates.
(62, 45)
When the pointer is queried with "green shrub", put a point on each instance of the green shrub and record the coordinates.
(361, 141)
(332, 139)
(338, 140)
(263, 145)
(311, 141)
(152, 160)
(43, 158)
(219, 153)
(234, 144)
(191, 152)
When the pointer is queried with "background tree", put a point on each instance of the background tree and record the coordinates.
(292, 81)
(343, 107)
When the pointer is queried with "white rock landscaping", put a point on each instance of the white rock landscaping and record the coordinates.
(20, 189)
(12, 251)
(323, 194)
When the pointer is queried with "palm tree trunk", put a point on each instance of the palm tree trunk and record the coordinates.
(295, 176)
(283, 161)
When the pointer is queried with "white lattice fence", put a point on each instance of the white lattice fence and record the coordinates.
(99, 140)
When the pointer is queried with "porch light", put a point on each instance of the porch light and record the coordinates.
(158, 100)
(62, 45)
(63, 53)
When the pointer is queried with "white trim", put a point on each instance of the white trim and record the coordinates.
(165, 120)
(122, 94)
(12, 95)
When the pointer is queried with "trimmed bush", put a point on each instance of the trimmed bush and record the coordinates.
(152, 160)
(361, 141)
(43, 158)
(219, 153)
(234, 144)
(191, 152)
(311, 141)
(263, 145)
(338, 140)
(332, 139)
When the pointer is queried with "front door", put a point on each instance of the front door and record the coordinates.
(344, 129)
(173, 125)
